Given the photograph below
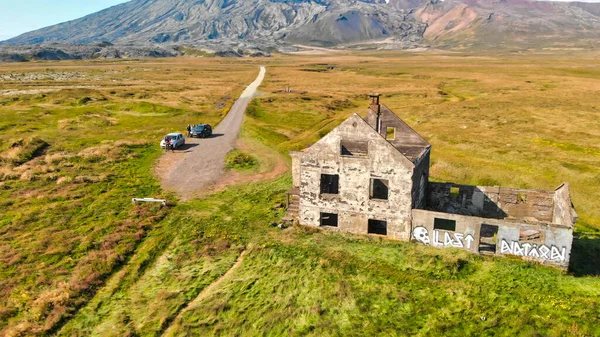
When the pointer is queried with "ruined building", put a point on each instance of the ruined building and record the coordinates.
(371, 176)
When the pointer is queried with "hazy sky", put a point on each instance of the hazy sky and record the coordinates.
(21, 16)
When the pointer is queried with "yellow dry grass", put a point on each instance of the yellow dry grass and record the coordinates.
(527, 121)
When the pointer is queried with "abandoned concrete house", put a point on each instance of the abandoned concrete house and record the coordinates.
(371, 176)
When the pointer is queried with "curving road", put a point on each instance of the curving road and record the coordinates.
(203, 161)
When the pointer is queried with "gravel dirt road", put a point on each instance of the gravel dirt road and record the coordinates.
(199, 165)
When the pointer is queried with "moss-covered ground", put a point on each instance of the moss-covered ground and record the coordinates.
(78, 259)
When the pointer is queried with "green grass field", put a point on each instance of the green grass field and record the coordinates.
(78, 259)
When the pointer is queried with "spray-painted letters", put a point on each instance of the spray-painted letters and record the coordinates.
(443, 238)
(532, 250)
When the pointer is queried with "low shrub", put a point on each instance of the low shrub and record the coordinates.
(254, 109)
(237, 160)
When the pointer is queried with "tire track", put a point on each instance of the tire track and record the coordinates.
(171, 324)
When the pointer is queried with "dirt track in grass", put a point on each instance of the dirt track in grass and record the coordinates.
(198, 166)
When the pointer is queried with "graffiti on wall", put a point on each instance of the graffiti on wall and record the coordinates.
(533, 250)
(443, 238)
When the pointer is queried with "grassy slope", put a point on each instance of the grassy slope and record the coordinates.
(301, 282)
(67, 222)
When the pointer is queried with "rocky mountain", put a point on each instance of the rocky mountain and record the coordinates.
(509, 23)
(161, 27)
(318, 22)
(593, 8)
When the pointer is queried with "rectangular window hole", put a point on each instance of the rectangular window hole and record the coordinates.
(379, 189)
(330, 184)
(488, 237)
(390, 133)
(444, 224)
(329, 219)
(521, 198)
(377, 227)
(354, 148)
(454, 191)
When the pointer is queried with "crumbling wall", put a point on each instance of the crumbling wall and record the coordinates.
(296, 156)
(491, 202)
(540, 242)
(353, 203)
(420, 180)
(564, 213)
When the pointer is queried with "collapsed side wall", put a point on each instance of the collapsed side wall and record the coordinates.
(491, 202)
(421, 180)
(552, 245)
(564, 213)
(296, 156)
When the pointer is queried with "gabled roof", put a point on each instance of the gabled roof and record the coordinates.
(406, 140)
(356, 129)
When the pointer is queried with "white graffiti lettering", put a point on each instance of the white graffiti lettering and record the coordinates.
(469, 240)
(536, 251)
(448, 241)
(544, 252)
(443, 238)
(459, 238)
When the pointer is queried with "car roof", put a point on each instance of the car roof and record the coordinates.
(202, 125)
(174, 134)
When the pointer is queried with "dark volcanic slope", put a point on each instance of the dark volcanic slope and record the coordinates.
(269, 23)
(323, 22)
(508, 23)
(593, 8)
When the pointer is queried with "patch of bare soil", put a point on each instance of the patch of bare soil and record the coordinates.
(17, 92)
(166, 163)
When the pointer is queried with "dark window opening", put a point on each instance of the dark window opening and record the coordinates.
(329, 219)
(355, 149)
(330, 183)
(377, 227)
(488, 236)
(444, 224)
(454, 191)
(379, 189)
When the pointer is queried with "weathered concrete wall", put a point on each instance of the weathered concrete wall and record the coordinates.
(551, 243)
(533, 225)
(296, 156)
(352, 204)
(564, 213)
(421, 180)
(491, 202)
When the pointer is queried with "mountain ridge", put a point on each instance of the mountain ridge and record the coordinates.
(276, 25)
(160, 21)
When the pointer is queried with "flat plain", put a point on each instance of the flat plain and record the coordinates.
(78, 140)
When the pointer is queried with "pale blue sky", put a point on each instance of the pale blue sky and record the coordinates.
(21, 16)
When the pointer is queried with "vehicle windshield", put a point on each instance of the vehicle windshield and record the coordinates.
(199, 128)
(172, 137)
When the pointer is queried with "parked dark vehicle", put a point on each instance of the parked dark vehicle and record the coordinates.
(201, 131)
